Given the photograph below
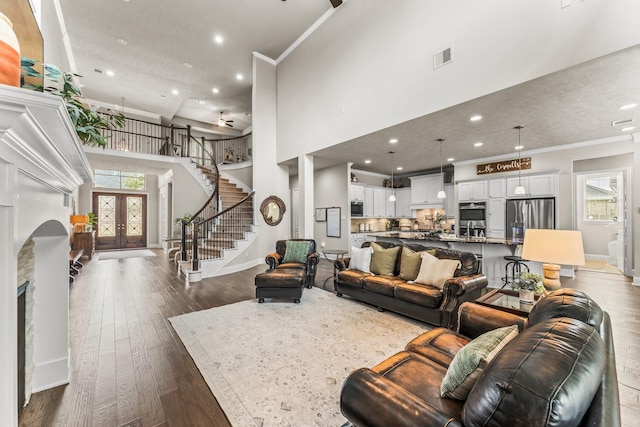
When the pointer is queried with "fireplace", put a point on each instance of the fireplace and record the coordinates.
(42, 164)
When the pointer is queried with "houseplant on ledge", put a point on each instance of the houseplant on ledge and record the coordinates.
(528, 285)
(86, 120)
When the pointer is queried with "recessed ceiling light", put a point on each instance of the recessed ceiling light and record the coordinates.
(393, 141)
(174, 91)
(475, 118)
(239, 76)
(450, 159)
(628, 106)
(627, 129)
(110, 73)
(218, 39)
(122, 41)
(215, 90)
(188, 65)
(367, 161)
(399, 168)
(478, 144)
(519, 147)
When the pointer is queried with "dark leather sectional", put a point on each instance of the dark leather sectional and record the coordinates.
(422, 302)
(559, 371)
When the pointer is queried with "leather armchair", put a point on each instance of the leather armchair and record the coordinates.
(274, 260)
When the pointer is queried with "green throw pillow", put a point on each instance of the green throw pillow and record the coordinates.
(296, 252)
(410, 263)
(470, 361)
(383, 261)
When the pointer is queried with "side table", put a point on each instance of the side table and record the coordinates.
(506, 300)
(339, 254)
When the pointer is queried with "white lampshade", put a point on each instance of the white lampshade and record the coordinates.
(441, 194)
(520, 190)
(553, 246)
(392, 197)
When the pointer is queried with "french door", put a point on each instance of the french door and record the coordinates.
(121, 220)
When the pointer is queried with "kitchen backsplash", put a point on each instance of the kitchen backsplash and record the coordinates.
(426, 219)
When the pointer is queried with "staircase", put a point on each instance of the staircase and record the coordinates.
(226, 229)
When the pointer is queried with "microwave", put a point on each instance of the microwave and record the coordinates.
(357, 209)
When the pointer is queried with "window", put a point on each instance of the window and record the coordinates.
(120, 180)
(600, 199)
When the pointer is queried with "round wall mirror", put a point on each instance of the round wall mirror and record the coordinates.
(272, 209)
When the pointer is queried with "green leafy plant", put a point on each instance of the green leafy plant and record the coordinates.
(187, 216)
(528, 282)
(440, 216)
(92, 218)
(86, 120)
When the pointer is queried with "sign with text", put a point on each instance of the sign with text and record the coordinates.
(504, 166)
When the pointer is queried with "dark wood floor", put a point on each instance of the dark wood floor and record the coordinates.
(129, 368)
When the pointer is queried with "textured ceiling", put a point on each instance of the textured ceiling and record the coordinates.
(571, 106)
(163, 35)
(574, 105)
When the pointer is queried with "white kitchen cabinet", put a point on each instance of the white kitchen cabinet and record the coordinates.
(535, 185)
(472, 191)
(497, 188)
(380, 199)
(424, 190)
(356, 192)
(403, 203)
(496, 222)
(367, 206)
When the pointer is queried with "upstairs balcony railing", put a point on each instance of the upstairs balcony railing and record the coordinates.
(138, 136)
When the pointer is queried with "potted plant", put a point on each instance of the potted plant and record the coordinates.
(528, 285)
(91, 220)
(87, 121)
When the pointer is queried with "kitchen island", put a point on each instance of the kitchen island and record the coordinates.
(491, 250)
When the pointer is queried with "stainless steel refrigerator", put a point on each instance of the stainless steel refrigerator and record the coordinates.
(529, 213)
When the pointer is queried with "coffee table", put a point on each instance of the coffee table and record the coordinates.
(506, 300)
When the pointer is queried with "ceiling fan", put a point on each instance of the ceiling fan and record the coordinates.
(222, 122)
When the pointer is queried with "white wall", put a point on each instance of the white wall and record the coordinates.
(332, 190)
(373, 58)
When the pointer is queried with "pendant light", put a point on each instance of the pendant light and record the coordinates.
(392, 197)
(441, 193)
(520, 190)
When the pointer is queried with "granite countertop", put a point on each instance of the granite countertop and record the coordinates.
(443, 238)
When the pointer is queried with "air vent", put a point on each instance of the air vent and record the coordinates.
(621, 122)
(97, 70)
(442, 58)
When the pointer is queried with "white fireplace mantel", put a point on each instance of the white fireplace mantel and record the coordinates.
(42, 163)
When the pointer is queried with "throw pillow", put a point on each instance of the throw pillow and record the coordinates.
(383, 261)
(470, 361)
(360, 259)
(296, 251)
(410, 263)
(435, 271)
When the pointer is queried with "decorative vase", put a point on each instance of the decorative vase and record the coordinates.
(9, 54)
(526, 296)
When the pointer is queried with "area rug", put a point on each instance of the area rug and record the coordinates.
(125, 254)
(283, 364)
(599, 265)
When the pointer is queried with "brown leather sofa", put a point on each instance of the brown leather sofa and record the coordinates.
(422, 302)
(274, 260)
(558, 371)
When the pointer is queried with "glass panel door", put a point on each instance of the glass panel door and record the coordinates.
(121, 220)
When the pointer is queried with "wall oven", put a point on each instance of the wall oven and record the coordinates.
(357, 209)
(472, 219)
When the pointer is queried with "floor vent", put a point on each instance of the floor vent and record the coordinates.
(621, 122)
(442, 58)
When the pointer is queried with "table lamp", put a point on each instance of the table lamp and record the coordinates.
(553, 247)
(79, 222)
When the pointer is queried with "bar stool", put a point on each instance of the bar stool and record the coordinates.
(517, 265)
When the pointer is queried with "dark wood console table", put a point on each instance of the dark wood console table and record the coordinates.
(85, 241)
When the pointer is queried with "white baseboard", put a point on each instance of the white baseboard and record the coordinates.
(636, 281)
(592, 256)
(51, 374)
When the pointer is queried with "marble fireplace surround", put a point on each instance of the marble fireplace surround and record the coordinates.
(42, 164)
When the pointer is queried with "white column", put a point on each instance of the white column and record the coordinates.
(306, 196)
(51, 311)
(8, 301)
